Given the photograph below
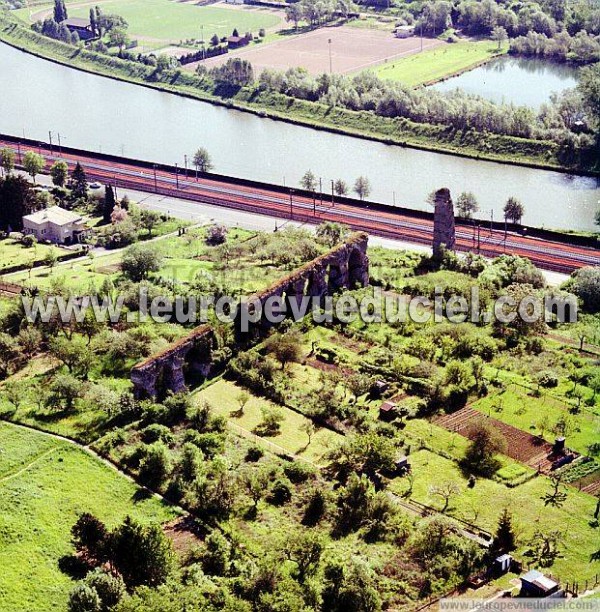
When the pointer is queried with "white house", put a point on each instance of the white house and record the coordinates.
(55, 224)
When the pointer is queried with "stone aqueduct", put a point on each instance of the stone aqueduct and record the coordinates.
(190, 359)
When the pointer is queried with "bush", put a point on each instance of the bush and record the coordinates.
(155, 465)
(281, 492)
(254, 453)
(157, 433)
(299, 471)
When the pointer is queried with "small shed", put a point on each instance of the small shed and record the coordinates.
(234, 42)
(388, 410)
(502, 564)
(379, 388)
(402, 465)
(535, 584)
(559, 446)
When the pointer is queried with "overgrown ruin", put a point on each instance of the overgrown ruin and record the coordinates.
(444, 232)
(189, 360)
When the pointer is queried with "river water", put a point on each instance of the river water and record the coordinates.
(96, 113)
(520, 80)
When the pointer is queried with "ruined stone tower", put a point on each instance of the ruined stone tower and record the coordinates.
(444, 232)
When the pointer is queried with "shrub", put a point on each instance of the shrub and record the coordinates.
(298, 471)
(281, 492)
(157, 433)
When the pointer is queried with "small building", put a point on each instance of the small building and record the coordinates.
(402, 465)
(235, 42)
(81, 27)
(405, 31)
(379, 388)
(388, 410)
(535, 584)
(56, 225)
(502, 564)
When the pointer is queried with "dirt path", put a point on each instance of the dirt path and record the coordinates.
(26, 467)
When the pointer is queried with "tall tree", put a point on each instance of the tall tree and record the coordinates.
(33, 164)
(362, 187)
(308, 181)
(500, 35)
(59, 173)
(18, 199)
(513, 210)
(202, 161)
(109, 204)
(7, 160)
(505, 539)
(80, 184)
(466, 205)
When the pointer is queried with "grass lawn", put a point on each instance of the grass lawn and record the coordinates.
(438, 63)
(483, 503)
(13, 253)
(222, 396)
(38, 506)
(173, 21)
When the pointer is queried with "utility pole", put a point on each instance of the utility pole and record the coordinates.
(478, 237)
(321, 190)
(291, 203)
(332, 190)
(176, 176)
(185, 159)
(50, 138)
(60, 146)
(330, 60)
(115, 186)
(19, 151)
(155, 180)
(492, 222)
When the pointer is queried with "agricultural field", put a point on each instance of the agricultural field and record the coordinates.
(352, 49)
(44, 485)
(159, 23)
(438, 63)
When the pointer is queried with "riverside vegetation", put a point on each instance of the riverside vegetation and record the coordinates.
(563, 134)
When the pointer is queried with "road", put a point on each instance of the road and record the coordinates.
(276, 202)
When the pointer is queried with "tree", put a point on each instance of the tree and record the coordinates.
(466, 205)
(340, 187)
(589, 88)
(18, 200)
(93, 23)
(7, 160)
(80, 184)
(597, 218)
(50, 259)
(557, 495)
(117, 37)
(586, 286)
(294, 13)
(74, 353)
(485, 443)
(33, 164)
(59, 173)
(149, 219)
(214, 41)
(446, 491)
(309, 428)
(243, 397)
(285, 348)
(60, 11)
(331, 233)
(140, 261)
(256, 482)
(110, 589)
(505, 539)
(305, 550)
(155, 466)
(500, 35)
(362, 187)
(513, 210)
(308, 181)
(271, 421)
(90, 538)
(64, 390)
(202, 161)
(109, 204)
(84, 598)
(142, 554)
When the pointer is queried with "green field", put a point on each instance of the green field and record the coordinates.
(222, 396)
(44, 485)
(173, 21)
(436, 64)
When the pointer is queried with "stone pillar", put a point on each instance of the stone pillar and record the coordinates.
(443, 222)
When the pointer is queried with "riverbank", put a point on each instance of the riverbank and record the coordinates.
(366, 125)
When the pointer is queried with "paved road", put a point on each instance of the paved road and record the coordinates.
(275, 202)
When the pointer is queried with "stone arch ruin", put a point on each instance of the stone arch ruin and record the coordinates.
(189, 361)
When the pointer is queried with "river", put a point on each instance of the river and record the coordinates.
(100, 114)
(520, 80)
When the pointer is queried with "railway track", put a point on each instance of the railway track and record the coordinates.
(275, 201)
